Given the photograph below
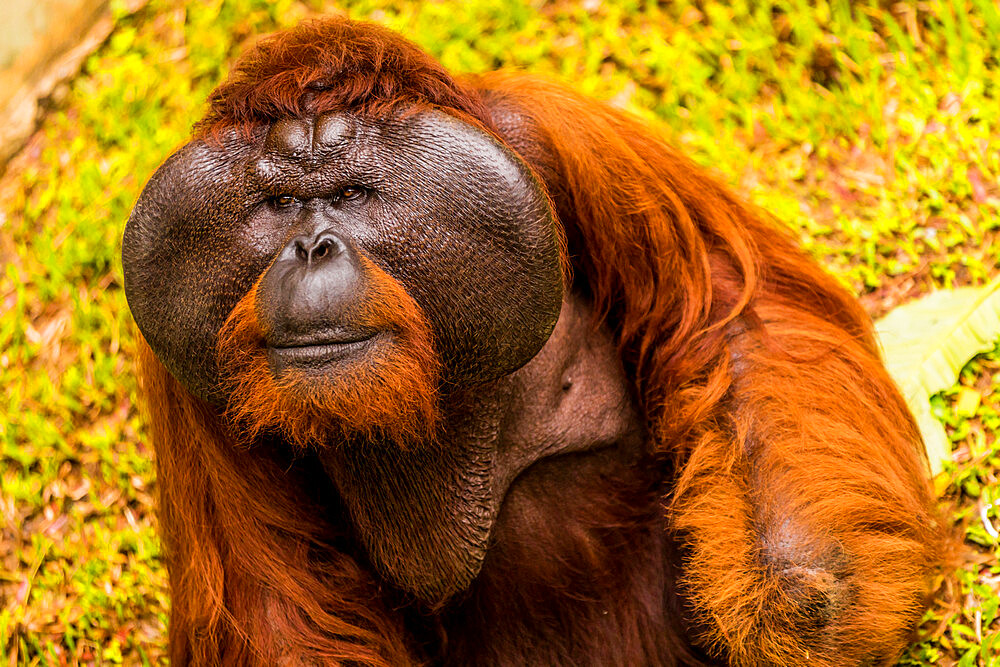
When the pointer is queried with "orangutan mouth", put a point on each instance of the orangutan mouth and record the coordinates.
(311, 354)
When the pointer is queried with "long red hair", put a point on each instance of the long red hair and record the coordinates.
(716, 314)
(755, 370)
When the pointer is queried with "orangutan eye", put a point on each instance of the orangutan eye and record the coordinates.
(284, 201)
(351, 192)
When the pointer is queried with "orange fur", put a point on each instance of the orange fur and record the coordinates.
(326, 66)
(255, 573)
(393, 394)
(758, 377)
(762, 383)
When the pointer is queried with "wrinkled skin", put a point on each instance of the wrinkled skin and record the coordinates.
(482, 262)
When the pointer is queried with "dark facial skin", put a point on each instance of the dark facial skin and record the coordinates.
(440, 206)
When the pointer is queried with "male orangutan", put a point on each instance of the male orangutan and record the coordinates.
(477, 371)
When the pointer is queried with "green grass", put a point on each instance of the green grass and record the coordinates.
(872, 134)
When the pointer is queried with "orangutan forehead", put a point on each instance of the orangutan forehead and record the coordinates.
(315, 155)
(294, 147)
(299, 137)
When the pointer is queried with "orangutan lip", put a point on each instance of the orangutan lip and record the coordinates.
(312, 354)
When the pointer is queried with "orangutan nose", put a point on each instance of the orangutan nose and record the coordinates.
(316, 249)
(311, 289)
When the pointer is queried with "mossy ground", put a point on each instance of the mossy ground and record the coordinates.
(871, 129)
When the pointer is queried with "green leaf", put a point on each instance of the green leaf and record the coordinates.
(927, 342)
(968, 402)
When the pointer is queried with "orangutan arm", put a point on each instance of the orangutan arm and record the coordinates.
(806, 512)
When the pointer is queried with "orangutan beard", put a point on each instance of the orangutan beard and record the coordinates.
(388, 392)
